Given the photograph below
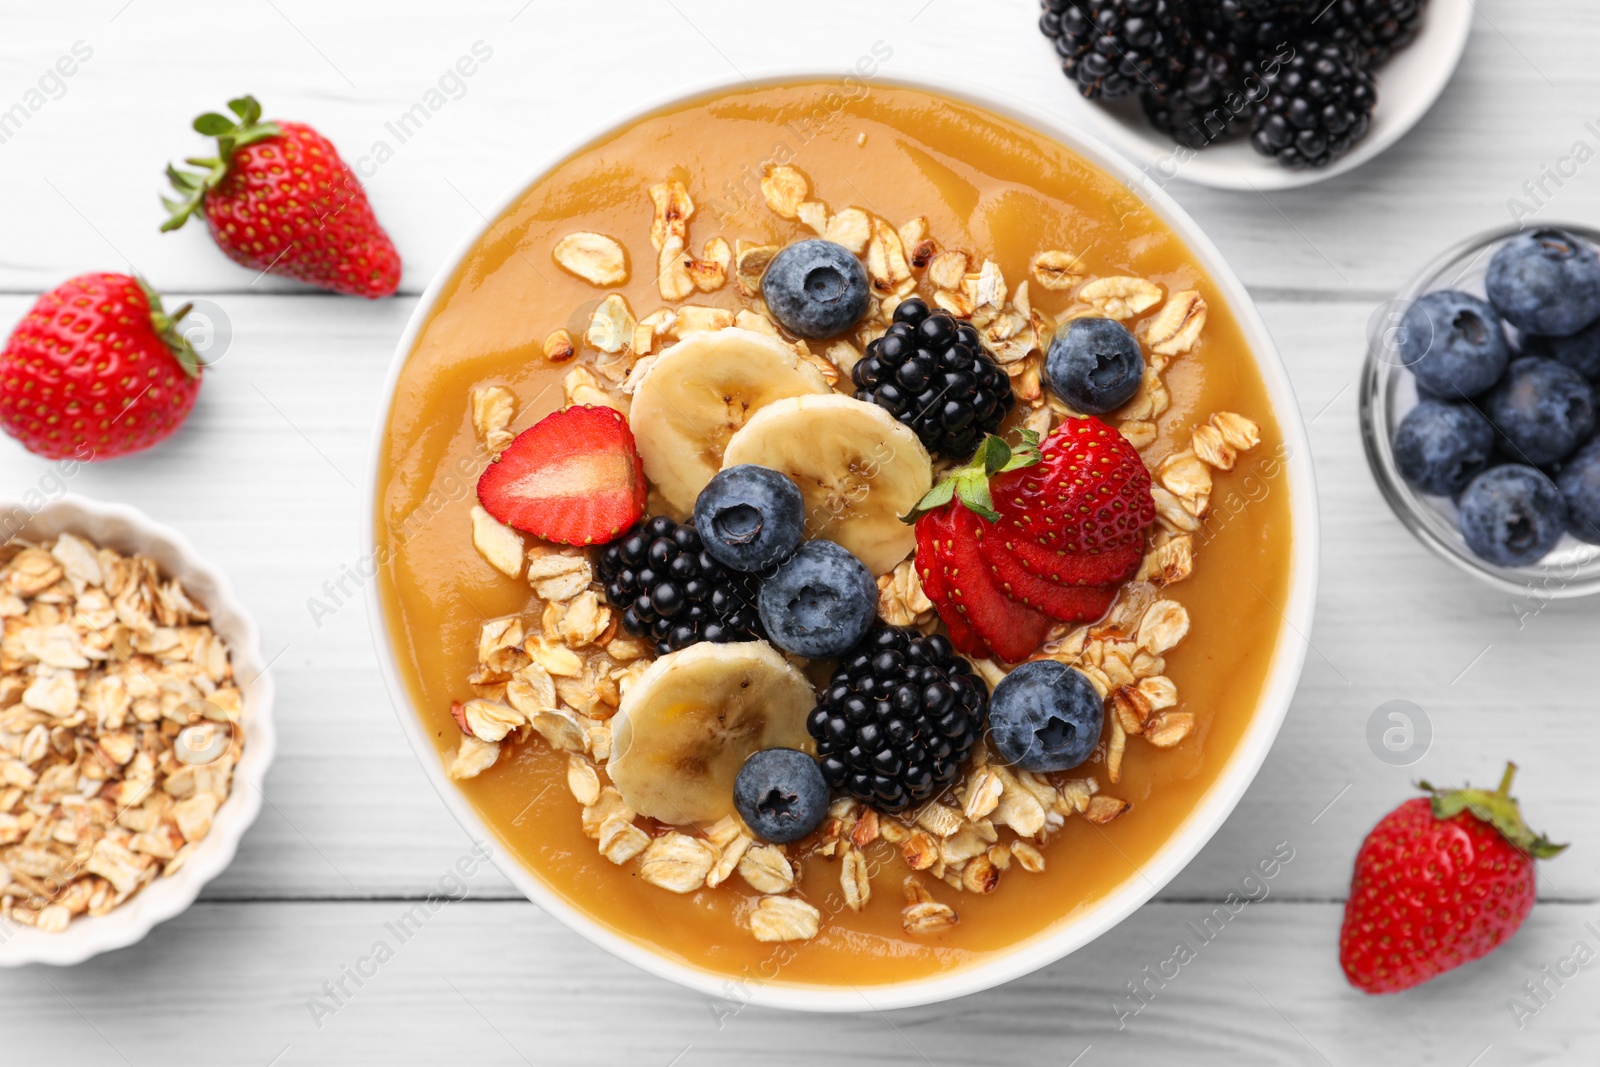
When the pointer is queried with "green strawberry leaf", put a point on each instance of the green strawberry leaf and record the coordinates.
(231, 136)
(972, 489)
(1498, 808)
(969, 484)
(166, 326)
(992, 455)
(1024, 455)
(934, 499)
(212, 124)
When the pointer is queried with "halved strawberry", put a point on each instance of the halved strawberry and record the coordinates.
(1067, 603)
(1012, 629)
(574, 477)
(933, 540)
(1107, 567)
(1089, 490)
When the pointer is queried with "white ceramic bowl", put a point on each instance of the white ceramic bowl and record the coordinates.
(1408, 85)
(129, 530)
(1187, 840)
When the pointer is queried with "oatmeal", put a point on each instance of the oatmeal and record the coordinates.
(119, 719)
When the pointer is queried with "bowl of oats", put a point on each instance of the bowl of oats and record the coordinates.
(843, 539)
(135, 727)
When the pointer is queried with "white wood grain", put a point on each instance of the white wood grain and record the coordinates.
(503, 983)
(1522, 99)
(263, 480)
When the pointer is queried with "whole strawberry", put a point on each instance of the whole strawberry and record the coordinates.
(96, 369)
(1439, 882)
(279, 200)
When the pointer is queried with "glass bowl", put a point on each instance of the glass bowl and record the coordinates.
(1388, 391)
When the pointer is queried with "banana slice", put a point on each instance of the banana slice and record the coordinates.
(857, 466)
(686, 726)
(698, 393)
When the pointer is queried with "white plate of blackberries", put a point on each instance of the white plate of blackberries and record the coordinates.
(1253, 94)
(1479, 414)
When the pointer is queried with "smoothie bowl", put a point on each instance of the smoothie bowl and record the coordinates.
(840, 538)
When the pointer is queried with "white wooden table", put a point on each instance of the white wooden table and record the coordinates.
(264, 480)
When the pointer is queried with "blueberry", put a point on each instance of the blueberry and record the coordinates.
(1545, 282)
(816, 289)
(750, 517)
(1579, 482)
(780, 794)
(820, 602)
(1045, 716)
(1581, 351)
(1454, 343)
(1543, 409)
(1512, 515)
(1095, 365)
(1440, 447)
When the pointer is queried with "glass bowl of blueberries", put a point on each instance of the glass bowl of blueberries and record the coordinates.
(1478, 408)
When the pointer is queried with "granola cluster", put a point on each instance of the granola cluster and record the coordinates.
(119, 728)
(560, 669)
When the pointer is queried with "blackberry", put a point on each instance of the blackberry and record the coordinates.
(1376, 29)
(1256, 27)
(930, 371)
(1113, 48)
(1318, 104)
(898, 718)
(1207, 101)
(671, 591)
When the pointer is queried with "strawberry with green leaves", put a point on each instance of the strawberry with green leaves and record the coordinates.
(279, 200)
(1440, 881)
(97, 369)
(1046, 529)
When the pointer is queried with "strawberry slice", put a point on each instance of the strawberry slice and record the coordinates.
(574, 477)
(1013, 630)
(1089, 490)
(933, 534)
(1107, 567)
(1067, 603)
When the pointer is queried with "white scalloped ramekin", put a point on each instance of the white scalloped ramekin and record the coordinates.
(130, 531)
(1186, 840)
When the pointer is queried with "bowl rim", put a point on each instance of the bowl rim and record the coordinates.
(165, 897)
(1453, 20)
(1532, 581)
(1069, 934)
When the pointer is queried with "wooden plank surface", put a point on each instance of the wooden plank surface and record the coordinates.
(501, 983)
(264, 476)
